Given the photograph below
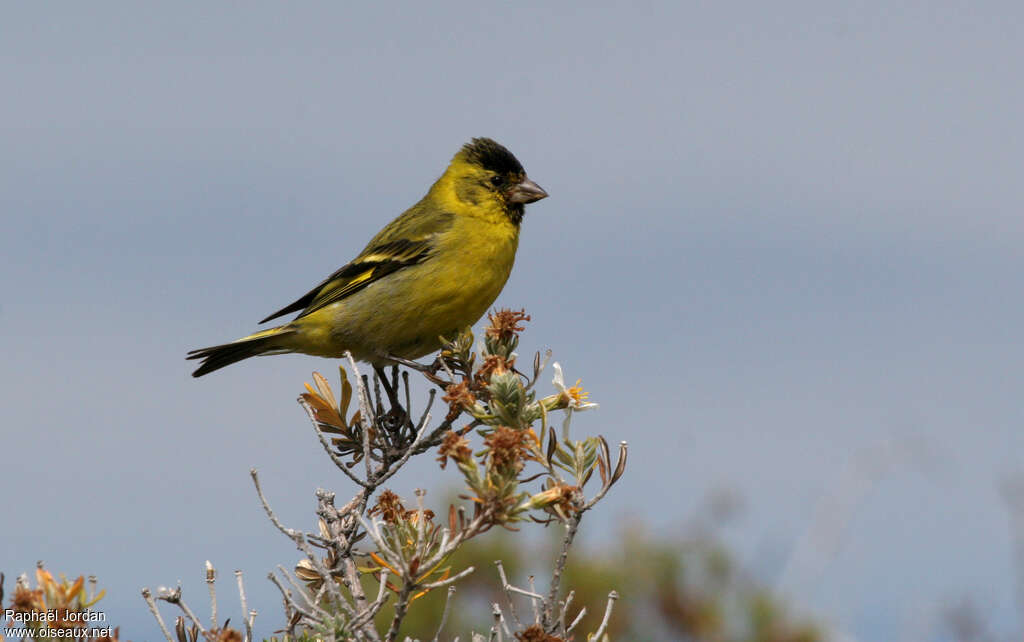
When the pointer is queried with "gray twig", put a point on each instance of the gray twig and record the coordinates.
(385, 474)
(508, 588)
(565, 610)
(366, 416)
(211, 579)
(148, 596)
(547, 615)
(444, 613)
(327, 446)
(579, 618)
(536, 603)
(607, 616)
(290, 601)
(246, 613)
(496, 630)
(301, 543)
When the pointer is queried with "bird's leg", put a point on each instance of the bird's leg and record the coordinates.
(388, 388)
(418, 367)
(430, 372)
(397, 417)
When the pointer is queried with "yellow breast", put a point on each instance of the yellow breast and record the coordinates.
(407, 312)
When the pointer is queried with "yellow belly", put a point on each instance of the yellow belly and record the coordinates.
(406, 313)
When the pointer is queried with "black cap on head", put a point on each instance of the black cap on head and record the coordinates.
(491, 156)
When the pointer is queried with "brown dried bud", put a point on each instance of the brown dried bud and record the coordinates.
(25, 599)
(389, 507)
(504, 324)
(493, 365)
(458, 397)
(229, 635)
(455, 446)
(507, 448)
(536, 634)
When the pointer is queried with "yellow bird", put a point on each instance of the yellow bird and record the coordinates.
(431, 272)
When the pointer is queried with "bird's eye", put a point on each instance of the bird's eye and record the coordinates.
(497, 181)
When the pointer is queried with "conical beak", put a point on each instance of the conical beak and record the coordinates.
(526, 192)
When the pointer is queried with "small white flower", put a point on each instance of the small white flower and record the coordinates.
(574, 396)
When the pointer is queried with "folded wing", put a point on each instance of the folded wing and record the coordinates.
(373, 264)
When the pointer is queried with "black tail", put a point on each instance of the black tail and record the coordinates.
(217, 357)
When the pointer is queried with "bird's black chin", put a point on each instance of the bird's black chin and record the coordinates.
(515, 212)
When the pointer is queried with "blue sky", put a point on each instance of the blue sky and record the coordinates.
(782, 241)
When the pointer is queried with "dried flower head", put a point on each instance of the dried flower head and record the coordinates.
(228, 635)
(507, 448)
(389, 507)
(494, 364)
(458, 397)
(455, 446)
(504, 324)
(25, 599)
(536, 634)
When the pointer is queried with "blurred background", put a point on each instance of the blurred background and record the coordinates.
(783, 250)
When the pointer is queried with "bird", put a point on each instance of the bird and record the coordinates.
(430, 273)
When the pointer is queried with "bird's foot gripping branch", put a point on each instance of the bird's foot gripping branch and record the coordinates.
(373, 557)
